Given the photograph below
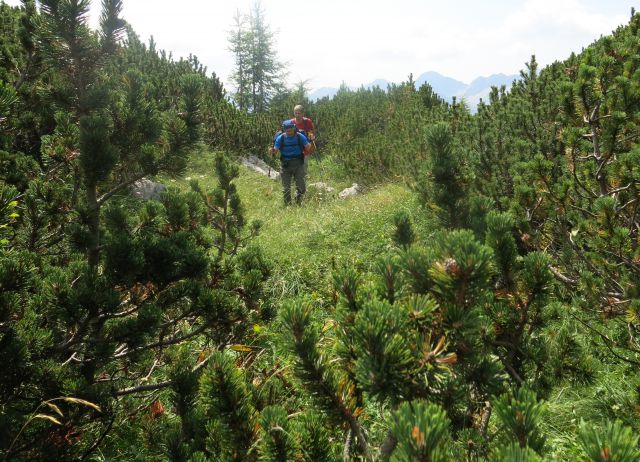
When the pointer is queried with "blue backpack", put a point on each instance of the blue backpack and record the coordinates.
(297, 135)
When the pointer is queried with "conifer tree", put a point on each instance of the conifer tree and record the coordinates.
(258, 75)
(240, 47)
(447, 187)
(224, 209)
(404, 234)
(119, 283)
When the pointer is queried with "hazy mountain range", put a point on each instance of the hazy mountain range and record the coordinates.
(444, 86)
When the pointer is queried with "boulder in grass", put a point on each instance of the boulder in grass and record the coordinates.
(147, 190)
(354, 190)
(260, 166)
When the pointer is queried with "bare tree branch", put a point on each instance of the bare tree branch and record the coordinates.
(106, 196)
(162, 343)
(160, 385)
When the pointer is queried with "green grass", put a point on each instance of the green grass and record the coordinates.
(304, 242)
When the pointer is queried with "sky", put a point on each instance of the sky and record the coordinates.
(332, 41)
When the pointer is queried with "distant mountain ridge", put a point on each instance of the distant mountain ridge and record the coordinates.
(445, 87)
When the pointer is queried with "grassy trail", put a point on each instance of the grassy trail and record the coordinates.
(304, 241)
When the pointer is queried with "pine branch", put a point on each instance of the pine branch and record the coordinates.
(174, 321)
(593, 268)
(609, 343)
(77, 336)
(561, 277)
(164, 384)
(512, 372)
(316, 371)
(142, 388)
(120, 314)
(484, 422)
(99, 441)
(632, 201)
(584, 211)
(106, 196)
(71, 358)
(346, 451)
(622, 259)
(575, 176)
(162, 343)
(617, 190)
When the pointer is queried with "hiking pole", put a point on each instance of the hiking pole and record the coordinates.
(269, 171)
(322, 172)
(270, 151)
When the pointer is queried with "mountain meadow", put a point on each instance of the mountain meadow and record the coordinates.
(477, 300)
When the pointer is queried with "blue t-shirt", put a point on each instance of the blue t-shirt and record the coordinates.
(290, 149)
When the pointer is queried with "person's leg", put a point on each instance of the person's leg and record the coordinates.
(285, 174)
(300, 181)
(306, 164)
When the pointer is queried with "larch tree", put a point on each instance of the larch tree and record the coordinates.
(259, 74)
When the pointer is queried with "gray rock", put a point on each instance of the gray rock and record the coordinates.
(258, 165)
(354, 190)
(145, 189)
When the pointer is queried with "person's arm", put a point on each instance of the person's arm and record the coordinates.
(310, 129)
(308, 125)
(274, 149)
(308, 147)
(310, 133)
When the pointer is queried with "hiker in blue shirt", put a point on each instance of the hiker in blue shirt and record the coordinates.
(293, 147)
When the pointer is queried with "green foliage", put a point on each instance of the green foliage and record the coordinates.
(235, 131)
(7, 100)
(313, 437)
(9, 214)
(444, 184)
(390, 277)
(334, 396)
(499, 236)
(462, 273)
(191, 86)
(376, 135)
(422, 432)
(227, 402)
(348, 330)
(225, 212)
(100, 291)
(416, 262)
(404, 235)
(18, 169)
(98, 156)
(515, 453)
(615, 444)
(385, 361)
(278, 443)
(521, 415)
